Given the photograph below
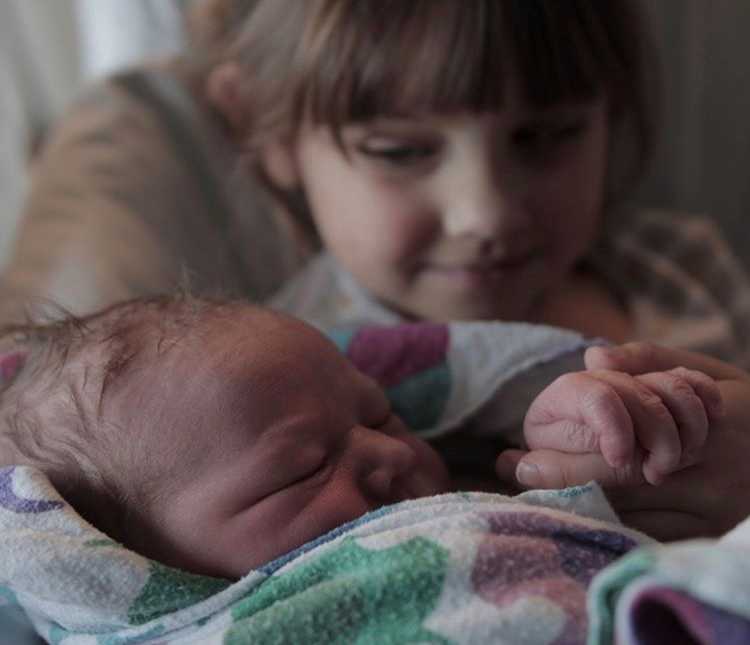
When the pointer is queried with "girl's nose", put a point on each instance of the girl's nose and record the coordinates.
(482, 203)
(382, 461)
(484, 216)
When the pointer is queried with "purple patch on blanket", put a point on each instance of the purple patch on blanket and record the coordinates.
(663, 615)
(10, 364)
(390, 354)
(10, 501)
(534, 555)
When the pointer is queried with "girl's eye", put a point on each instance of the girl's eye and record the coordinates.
(541, 139)
(398, 154)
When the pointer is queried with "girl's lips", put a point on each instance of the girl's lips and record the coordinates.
(486, 264)
(482, 271)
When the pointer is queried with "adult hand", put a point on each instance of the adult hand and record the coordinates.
(708, 498)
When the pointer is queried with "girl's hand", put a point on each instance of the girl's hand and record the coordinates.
(645, 426)
(705, 499)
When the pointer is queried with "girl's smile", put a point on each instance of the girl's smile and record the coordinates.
(483, 274)
(464, 216)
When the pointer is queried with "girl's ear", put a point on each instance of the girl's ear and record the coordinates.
(224, 93)
(280, 165)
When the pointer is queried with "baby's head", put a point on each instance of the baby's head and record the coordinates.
(454, 156)
(209, 436)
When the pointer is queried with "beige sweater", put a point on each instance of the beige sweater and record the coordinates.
(138, 191)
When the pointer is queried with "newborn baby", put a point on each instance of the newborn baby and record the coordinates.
(217, 436)
(209, 436)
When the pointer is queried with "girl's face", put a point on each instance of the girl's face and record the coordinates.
(468, 216)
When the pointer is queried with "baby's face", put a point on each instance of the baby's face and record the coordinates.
(258, 437)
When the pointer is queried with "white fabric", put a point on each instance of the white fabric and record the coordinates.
(154, 29)
(37, 77)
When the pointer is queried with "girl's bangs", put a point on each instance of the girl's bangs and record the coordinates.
(400, 57)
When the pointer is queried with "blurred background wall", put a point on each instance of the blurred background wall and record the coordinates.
(703, 161)
(48, 48)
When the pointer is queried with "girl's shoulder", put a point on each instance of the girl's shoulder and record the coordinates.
(671, 252)
(115, 128)
(661, 229)
(680, 280)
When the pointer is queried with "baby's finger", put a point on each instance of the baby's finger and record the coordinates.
(707, 390)
(581, 413)
(655, 428)
(693, 399)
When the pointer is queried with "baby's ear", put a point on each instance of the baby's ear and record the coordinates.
(11, 363)
(223, 90)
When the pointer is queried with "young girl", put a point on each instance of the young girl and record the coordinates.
(464, 161)
(457, 160)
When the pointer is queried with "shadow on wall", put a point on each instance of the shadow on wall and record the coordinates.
(703, 161)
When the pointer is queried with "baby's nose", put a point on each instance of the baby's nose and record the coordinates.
(385, 460)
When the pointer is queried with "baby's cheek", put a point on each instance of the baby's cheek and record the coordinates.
(340, 502)
(429, 464)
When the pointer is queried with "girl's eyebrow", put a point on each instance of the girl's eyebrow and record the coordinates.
(560, 109)
(410, 121)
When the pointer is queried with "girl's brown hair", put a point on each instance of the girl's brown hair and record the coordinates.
(338, 61)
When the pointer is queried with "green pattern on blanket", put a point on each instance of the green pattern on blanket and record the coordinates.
(350, 595)
(607, 589)
(114, 639)
(168, 590)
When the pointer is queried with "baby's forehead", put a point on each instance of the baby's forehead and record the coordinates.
(192, 335)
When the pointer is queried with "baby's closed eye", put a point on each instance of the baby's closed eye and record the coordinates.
(285, 466)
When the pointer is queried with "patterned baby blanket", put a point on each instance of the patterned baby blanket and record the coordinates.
(696, 591)
(80, 587)
(439, 376)
(456, 568)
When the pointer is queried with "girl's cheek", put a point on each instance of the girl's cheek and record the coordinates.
(412, 230)
(569, 194)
